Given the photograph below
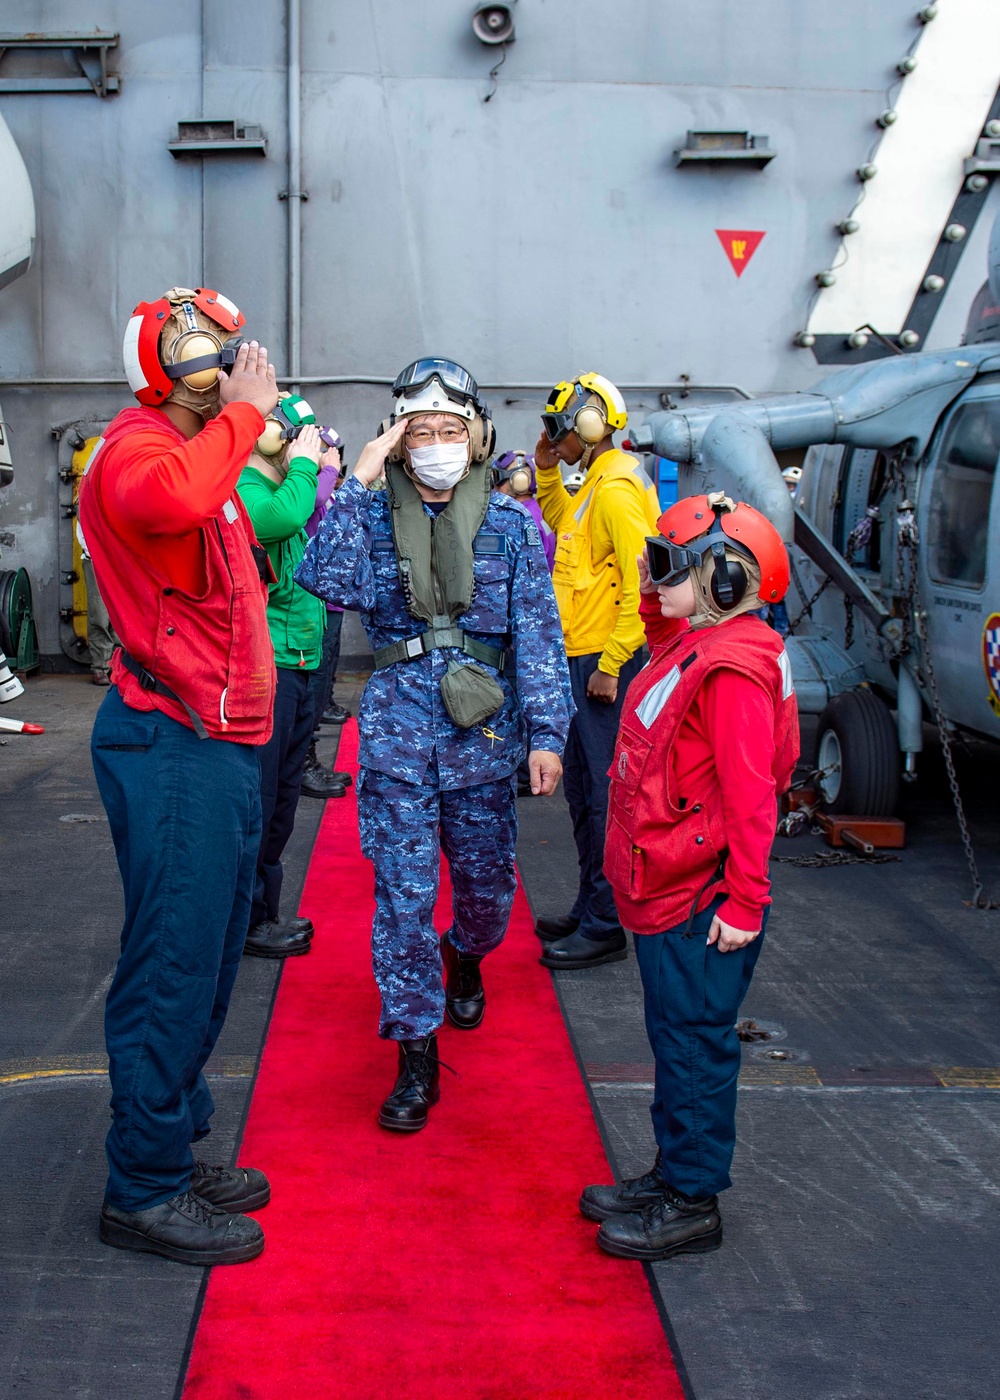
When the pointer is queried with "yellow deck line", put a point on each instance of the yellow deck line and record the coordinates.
(94, 1066)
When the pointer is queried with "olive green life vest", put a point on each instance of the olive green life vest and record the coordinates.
(435, 556)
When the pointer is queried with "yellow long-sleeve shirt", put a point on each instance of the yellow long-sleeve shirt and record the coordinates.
(599, 534)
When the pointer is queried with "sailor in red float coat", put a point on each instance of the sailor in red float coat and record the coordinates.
(171, 544)
(175, 747)
(708, 741)
(708, 738)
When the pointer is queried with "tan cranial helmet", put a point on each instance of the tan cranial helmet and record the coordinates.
(174, 348)
(190, 335)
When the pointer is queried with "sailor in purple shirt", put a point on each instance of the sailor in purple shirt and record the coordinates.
(318, 781)
(514, 476)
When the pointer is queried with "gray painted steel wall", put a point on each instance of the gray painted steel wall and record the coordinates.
(532, 237)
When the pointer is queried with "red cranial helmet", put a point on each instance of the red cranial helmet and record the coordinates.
(713, 521)
(202, 337)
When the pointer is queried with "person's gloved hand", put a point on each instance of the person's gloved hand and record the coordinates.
(252, 380)
(544, 771)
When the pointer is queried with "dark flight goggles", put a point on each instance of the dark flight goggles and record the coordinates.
(223, 358)
(668, 563)
(451, 376)
(558, 425)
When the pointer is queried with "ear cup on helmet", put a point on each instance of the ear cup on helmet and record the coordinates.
(590, 425)
(520, 481)
(194, 347)
(270, 442)
(738, 581)
(482, 439)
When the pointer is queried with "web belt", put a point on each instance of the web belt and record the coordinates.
(436, 637)
(149, 682)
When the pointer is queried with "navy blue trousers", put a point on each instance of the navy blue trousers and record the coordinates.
(404, 829)
(692, 994)
(281, 760)
(326, 672)
(185, 820)
(589, 751)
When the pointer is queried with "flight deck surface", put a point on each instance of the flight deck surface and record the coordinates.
(863, 1229)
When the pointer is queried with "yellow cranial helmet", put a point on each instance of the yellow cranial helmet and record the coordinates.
(590, 406)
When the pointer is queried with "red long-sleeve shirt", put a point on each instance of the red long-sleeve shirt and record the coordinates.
(168, 487)
(725, 745)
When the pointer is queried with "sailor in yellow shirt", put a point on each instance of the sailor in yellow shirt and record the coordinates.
(599, 534)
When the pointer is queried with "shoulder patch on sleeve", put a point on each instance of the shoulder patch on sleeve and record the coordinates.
(785, 667)
(531, 534)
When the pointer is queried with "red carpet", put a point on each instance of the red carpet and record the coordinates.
(450, 1263)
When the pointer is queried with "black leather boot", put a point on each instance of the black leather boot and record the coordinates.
(186, 1229)
(334, 714)
(318, 781)
(602, 1202)
(549, 930)
(274, 940)
(464, 994)
(578, 951)
(232, 1189)
(669, 1226)
(417, 1086)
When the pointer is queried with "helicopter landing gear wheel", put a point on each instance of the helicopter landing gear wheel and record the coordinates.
(857, 756)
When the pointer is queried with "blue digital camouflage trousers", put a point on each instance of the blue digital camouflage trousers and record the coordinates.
(404, 828)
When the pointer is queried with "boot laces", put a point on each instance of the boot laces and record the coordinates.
(196, 1209)
(418, 1067)
(207, 1169)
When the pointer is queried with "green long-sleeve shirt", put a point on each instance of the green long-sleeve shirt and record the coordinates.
(278, 512)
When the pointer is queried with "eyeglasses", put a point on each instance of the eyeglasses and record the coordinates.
(420, 436)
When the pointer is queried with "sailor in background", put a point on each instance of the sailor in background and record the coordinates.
(278, 488)
(599, 532)
(450, 580)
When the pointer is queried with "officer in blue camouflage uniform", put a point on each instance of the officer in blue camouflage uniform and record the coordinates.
(452, 585)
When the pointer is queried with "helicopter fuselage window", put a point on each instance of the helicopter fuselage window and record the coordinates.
(961, 492)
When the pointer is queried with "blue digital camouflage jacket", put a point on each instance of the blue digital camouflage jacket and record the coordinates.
(403, 723)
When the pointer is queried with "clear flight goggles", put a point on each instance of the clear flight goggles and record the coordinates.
(455, 380)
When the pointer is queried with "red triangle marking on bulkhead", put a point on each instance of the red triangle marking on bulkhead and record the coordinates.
(739, 246)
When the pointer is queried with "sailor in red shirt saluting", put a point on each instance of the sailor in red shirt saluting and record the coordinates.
(175, 754)
(708, 741)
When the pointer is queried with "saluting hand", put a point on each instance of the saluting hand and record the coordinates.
(545, 455)
(252, 380)
(371, 461)
(308, 444)
(646, 584)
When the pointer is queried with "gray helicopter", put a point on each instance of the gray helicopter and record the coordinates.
(894, 535)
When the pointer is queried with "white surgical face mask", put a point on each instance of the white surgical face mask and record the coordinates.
(440, 465)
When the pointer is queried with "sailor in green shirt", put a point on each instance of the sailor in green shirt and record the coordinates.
(278, 488)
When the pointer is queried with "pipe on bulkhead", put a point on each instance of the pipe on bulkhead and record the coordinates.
(295, 193)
